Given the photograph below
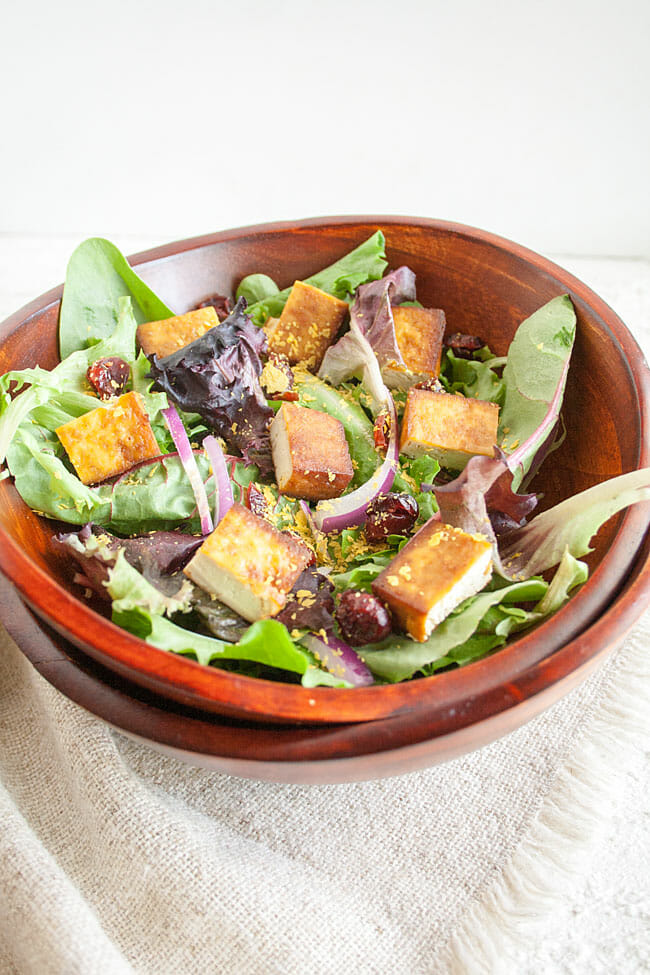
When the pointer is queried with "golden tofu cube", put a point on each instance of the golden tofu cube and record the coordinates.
(171, 334)
(439, 568)
(248, 565)
(419, 333)
(109, 440)
(308, 325)
(310, 453)
(450, 428)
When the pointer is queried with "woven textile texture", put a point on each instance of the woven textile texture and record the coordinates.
(116, 859)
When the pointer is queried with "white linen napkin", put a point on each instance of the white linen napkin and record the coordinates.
(116, 859)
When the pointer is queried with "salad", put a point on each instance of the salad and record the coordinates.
(318, 484)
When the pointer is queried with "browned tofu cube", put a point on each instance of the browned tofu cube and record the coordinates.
(109, 440)
(439, 568)
(310, 453)
(448, 427)
(419, 333)
(171, 334)
(248, 565)
(308, 324)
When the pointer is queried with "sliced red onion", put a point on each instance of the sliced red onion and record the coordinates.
(188, 460)
(339, 513)
(339, 658)
(222, 486)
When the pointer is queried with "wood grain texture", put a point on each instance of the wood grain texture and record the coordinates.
(485, 285)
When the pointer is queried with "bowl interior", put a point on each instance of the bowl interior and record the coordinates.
(486, 286)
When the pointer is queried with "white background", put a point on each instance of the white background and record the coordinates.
(167, 119)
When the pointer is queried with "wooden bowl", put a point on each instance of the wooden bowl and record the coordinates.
(487, 286)
(308, 754)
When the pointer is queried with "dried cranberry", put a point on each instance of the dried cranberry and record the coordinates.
(390, 514)
(381, 430)
(109, 376)
(256, 501)
(431, 384)
(463, 346)
(362, 618)
(221, 304)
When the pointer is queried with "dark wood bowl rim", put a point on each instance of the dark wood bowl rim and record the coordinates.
(222, 692)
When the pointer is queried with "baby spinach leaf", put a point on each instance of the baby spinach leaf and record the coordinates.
(98, 276)
(256, 287)
(535, 376)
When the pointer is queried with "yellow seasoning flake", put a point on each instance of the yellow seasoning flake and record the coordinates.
(392, 580)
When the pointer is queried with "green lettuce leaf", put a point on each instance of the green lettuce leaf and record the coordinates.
(367, 262)
(410, 476)
(265, 642)
(535, 376)
(570, 525)
(150, 497)
(98, 276)
(361, 576)
(65, 379)
(473, 377)
(129, 589)
(569, 574)
(400, 658)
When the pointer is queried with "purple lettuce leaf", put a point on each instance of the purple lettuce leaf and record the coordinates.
(159, 556)
(532, 547)
(371, 311)
(481, 500)
(217, 376)
(351, 356)
(310, 603)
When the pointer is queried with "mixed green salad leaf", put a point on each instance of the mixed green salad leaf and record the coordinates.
(98, 277)
(139, 528)
(367, 262)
